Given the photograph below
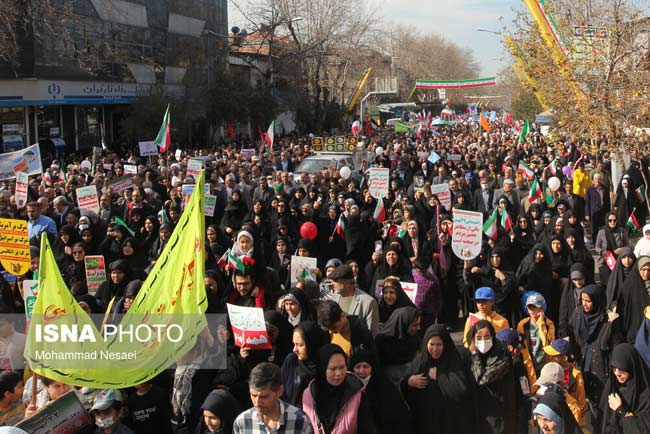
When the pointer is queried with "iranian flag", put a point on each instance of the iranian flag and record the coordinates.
(235, 263)
(356, 128)
(47, 178)
(552, 166)
(640, 193)
(223, 261)
(523, 133)
(418, 133)
(340, 227)
(632, 223)
(548, 196)
(455, 84)
(506, 221)
(268, 138)
(525, 170)
(535, 191)
(490, 226)
(402, 232)
(164, 137)
(380, 211)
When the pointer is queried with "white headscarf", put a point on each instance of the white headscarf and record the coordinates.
(236, 248)
(642, 247)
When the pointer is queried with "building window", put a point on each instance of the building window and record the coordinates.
(88, 118)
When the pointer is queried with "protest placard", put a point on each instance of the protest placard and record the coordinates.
(467, 234)
(247, 153)
(87, 200)
(64, 415)
(301, 266)
(418, 183)
(248, 327)
(95, 272)
(378, 181)
(131, 169)
(148, 149)
(30, 292)
(14, 246)
(194, 166)
(118, 185)
(186, 192)
(208, 205)
(26, 160)
(410, 289)
(443, 194)
(22, 179)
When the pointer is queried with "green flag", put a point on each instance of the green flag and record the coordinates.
(523, 133)
(401, 127)
(122, 223)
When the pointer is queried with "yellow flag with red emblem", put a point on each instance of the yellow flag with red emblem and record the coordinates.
(161, 325)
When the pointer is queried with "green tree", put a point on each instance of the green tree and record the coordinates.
(524, 105)
(233, 99)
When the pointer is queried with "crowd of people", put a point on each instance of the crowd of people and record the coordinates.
(552, 341)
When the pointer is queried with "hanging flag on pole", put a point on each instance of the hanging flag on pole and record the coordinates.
(268, 138)
(525, 170)
(632, 222)
(484, 123)
(164, 137)
(552, 166)
(418, 132)
(640, 193)
(380, 211)
(523, 133)
(356, 128)
(340, 227)
(490, 226)
(506, 221)
(535, 191)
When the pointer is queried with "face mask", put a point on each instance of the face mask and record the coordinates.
(484, 346)
(104, 423)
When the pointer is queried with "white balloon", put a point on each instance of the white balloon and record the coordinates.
(379, 150)
(345, 172)
(554, 183)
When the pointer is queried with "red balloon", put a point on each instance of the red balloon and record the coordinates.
(308, 230)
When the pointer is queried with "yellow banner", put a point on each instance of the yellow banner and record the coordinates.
(170, 307)
(14, 246)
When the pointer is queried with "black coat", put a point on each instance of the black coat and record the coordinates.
(442, 407)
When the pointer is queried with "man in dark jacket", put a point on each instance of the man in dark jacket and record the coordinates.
(348, 331)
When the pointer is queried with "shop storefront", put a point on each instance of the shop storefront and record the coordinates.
(70, 115)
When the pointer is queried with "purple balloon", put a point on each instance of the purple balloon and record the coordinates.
(567, 171)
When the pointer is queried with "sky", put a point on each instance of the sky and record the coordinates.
(456, 20)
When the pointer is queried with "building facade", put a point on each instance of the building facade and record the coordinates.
(88, 60)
